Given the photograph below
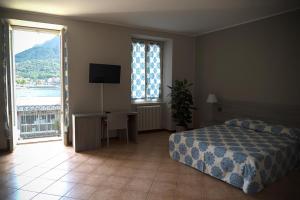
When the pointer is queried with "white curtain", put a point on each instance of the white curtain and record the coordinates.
(66, 113)
(5, 83)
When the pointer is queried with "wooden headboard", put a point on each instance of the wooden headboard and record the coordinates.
(275, 114)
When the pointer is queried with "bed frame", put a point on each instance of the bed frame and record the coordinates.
(275, 114)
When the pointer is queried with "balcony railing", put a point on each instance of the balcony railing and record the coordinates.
(38, 121)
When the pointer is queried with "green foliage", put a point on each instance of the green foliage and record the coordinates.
(38, 69)
(56, 124)
(181, 102)
(39, 62)
(21, 81)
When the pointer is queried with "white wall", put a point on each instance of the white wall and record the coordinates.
(256, 63)
(167, 80)
(103, 43)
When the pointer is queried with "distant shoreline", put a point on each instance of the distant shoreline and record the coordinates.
(38, 86)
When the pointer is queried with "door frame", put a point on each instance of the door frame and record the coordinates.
(11, 83)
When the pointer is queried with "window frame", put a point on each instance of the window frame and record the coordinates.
(146, 42)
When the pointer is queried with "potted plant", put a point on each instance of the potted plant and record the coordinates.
(181, 104)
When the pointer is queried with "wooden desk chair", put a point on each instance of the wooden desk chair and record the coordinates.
(116, 121)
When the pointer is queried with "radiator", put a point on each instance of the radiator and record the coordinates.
(149, 117)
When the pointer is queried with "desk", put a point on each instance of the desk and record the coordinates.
(87, 130)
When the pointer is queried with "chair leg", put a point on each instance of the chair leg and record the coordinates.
(127, 134)
(107, 137)
(119, 135)
(100, 135)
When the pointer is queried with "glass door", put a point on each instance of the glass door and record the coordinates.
(36, 84)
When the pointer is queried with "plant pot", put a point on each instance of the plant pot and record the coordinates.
(180, 128)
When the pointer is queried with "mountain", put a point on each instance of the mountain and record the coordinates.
(48, 50)
(39, 62)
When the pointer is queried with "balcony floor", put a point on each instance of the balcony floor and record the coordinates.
(37, 140)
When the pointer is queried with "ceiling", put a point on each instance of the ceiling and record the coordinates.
(192, 17)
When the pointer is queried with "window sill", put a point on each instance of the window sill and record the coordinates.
(143, 102)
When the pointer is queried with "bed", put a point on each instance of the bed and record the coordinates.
(248, 154)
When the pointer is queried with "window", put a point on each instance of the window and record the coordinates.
(146, 70)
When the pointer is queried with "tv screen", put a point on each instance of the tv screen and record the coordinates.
(103, 73)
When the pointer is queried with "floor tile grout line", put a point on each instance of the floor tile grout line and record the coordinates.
(162, 162)
(34, 178)
(147, 196)
(37, 166)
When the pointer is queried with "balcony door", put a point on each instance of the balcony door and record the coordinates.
(37, 88)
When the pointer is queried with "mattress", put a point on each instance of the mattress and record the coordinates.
(242, 157)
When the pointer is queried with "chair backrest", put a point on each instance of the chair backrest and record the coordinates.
(117, 120)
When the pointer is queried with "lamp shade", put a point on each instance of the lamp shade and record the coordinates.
(211, 98)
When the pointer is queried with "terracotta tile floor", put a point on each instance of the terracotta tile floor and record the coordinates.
(133, 172)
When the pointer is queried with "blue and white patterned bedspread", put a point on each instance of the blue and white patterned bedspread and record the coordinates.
(241, 157)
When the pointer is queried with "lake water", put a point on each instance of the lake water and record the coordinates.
(38, 92)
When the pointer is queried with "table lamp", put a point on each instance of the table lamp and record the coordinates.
(211, 98)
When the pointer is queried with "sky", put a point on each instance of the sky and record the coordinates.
(23, 40)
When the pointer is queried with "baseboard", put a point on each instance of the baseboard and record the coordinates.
(3, 151)
(156, 130)
(6, 149)
(171, 131)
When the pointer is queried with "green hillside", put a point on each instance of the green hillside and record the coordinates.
(39, 62)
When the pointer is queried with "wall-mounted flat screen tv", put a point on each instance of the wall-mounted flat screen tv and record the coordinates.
(104, 73)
